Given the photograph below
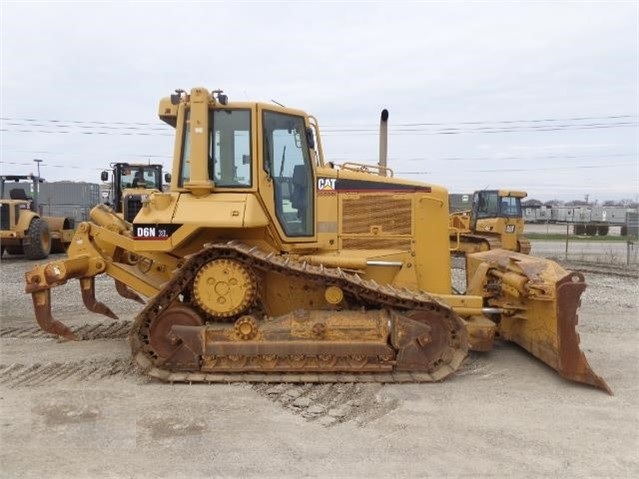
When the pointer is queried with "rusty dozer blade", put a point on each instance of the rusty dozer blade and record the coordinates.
(572, 363)
(540, 300)
(42, 307)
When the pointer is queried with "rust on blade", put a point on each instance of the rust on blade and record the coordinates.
(87, 285)
(126, 292)
(572, 363)
(540, 300)
(42, 307)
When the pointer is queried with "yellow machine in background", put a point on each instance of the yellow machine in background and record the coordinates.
(23, 229)
(494, 221)
(266, 263)
(130, 184)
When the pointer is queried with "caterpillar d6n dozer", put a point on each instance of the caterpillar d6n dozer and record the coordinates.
(263, 262)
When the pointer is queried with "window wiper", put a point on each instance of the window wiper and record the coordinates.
(283, 160)
(267, 156)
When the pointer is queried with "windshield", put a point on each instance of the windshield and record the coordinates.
(144, 176)
(510, 207)
(490, 205)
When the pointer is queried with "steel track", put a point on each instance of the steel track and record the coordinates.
(371, 293)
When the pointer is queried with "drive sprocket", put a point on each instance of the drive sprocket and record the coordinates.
(224, 288)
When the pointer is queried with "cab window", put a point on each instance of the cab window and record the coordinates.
(230, 148)
(287, 162)
(487, 204)
(510, 207)
(185, 163)
(140, 177)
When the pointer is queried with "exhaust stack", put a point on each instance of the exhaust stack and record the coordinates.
(383, 142)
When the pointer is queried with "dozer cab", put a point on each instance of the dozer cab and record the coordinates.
(131, 184)
(494, 221)
(264, 262)
(23, 230)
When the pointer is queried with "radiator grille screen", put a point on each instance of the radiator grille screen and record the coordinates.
(376, 243)
(392, 214)
(132, 205)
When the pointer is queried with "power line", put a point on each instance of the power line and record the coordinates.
(581, 118)
(602, 156)
(96, 122)
(49, 165)
(85, 126)
(536, 168)
(361, 132)
(483, 130)
(160, 125)
(487, 170)
(396, 159)
(68, 153)
(95, 127)
(551, 168)
(101, 133)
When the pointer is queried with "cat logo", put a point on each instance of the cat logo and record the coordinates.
(326, 184)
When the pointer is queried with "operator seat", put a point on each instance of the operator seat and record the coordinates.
(138, 181)
(300, 185)
(20, 194)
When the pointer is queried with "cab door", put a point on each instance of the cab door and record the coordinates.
(288, 186)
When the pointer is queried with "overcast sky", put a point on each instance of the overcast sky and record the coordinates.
(539, 96)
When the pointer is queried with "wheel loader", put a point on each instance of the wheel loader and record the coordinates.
(23, 230)
(265, 262)
(495, 220)
(130, 184)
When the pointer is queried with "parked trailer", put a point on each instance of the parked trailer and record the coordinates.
(586, 220)
(537, 214)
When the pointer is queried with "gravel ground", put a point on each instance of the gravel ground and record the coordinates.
(81, 409)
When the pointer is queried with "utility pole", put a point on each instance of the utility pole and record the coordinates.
(36, 185)
(38, 161)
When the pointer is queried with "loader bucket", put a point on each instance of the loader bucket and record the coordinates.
(541, 300)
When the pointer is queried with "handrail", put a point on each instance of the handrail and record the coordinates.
(364, 168)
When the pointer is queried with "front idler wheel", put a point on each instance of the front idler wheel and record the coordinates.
(167, 345)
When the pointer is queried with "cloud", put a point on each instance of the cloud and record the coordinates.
(343, 62)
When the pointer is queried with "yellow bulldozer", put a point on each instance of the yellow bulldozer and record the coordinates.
(494, 221)
(264, 262)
